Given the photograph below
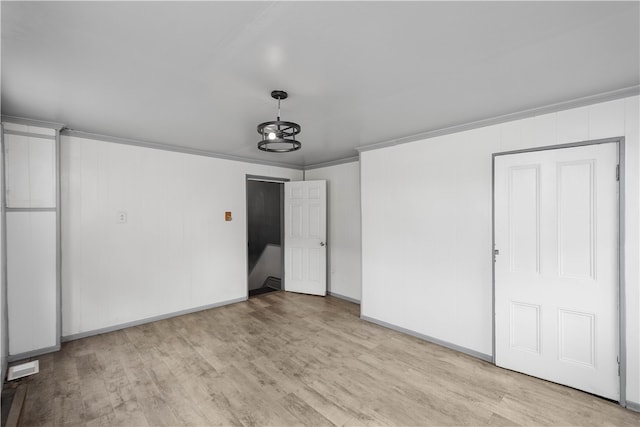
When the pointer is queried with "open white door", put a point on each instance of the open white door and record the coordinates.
(305, 237)
(556, 273)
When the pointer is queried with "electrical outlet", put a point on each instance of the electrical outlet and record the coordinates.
(122, 217)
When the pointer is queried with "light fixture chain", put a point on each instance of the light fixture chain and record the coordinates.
(278, 108)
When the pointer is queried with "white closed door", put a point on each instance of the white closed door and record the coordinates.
(305, 237)
(556, 270)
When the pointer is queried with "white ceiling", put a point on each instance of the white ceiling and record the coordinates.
(199, 74)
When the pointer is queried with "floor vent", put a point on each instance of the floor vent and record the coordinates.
(23, 370)
(272, 282)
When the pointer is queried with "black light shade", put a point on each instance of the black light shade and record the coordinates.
(279, 136)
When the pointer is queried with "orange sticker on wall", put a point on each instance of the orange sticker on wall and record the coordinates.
(227, 216)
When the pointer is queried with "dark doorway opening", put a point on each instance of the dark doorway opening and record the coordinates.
(264, 235)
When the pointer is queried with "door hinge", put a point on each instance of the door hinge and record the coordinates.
(618, 360)
(617, 172)
(496, 252)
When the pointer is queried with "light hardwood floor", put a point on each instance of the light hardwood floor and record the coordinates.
(288, 359)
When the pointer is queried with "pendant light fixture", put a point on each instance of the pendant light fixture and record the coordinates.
(279, 136)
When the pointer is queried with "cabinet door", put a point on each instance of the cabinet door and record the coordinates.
(31, 280)
(30, 172)
(17, 170)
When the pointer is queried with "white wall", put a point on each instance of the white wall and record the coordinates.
(426, 225)
(174, 253)
(343, 222)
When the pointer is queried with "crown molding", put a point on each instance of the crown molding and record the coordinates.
(32, 122)
(174, 148)
(524, 114)
(332, 163)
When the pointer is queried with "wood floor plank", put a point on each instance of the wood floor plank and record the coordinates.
(333, 411)
(252, 405)
(38, 409)
(305, 413)
(149, 399)
(289, 359)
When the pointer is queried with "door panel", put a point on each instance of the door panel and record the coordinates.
(524, 212)
(30, 172)
(556, 273)
(524, 331)
(576, 225)
(31, 281)
(305, 237)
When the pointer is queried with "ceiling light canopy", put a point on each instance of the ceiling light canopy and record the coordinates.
(279, 136)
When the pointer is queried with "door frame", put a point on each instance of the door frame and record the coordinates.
(274, 180)
(622, 350)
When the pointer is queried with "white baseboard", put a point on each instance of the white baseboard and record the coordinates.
(93, 332)
(477, 354)
(30, 354)
(634, 406)
(353, 300)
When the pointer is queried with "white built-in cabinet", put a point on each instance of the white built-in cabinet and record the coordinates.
(30, 172)
(31, 194)
(31, 281)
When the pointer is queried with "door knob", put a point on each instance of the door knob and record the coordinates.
(322, 243)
